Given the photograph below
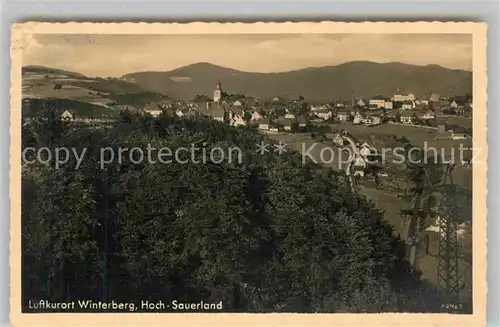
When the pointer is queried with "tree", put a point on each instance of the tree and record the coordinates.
(268, 234)
(247, 116)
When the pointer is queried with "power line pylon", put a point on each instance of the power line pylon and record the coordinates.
(448, 277)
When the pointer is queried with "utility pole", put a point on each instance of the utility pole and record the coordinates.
(448, 279)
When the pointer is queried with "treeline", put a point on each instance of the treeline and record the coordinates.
(266, 235)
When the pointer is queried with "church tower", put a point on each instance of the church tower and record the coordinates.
(218, 93)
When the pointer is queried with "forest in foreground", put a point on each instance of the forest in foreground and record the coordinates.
(268, 234)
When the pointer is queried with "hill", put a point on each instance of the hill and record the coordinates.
(33, 69)
(33, 107)
(365, 78)
(40, 83)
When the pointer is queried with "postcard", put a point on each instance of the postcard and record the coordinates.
(248, 174)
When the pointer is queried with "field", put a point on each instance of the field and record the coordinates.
(96, 91)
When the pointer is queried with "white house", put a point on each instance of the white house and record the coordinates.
(407, 105)
(372, 120)
(237, 103)
(179, 113)
(435, 97)
(359, 166)
(263, 124)
(256, 116)
(403, 97)
(358, 118)
(237, 120)
(290, 116)
(361, 103)
(407, 117)
(343, 116)
(318, 108)
(67, 115)
(324, 114)
(454, 105)
(388, 105)
(377, 103)
(425, 102)
(428, 115)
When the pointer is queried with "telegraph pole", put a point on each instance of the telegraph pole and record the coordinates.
(448, 279)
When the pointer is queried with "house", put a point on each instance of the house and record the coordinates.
(256, 115)
(458, 136)
(154, 112)
(361, 103)
(324, 114)
(425, 102)
(341, 105)
(435, 97)
(428, 115)
(358, 118)
(286, 123)
(67, 115)
(454, 104)
(318, 108)
(217, 112)
(365, 150)
(407, 105)
(302, 121)
(372, 120)
(237, 120)
(407, 117)
(277, 99)
(263, 124)
(179, 113)
(376, 103)
(290, 116)
(403, 97)
(359, 166)
(388, 105)
(237, 103)
(190, 113)
(343, 116)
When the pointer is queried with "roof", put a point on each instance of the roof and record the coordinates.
(213, 110)
(301, 120)
(374, 113)
(408, 113)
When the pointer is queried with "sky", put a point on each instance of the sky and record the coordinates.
(117, 55)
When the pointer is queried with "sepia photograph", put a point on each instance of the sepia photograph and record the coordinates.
(327, 171)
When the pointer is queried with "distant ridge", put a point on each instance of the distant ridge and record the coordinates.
(49, 70)
(365, 78)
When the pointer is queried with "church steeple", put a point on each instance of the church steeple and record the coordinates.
(218, 92)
